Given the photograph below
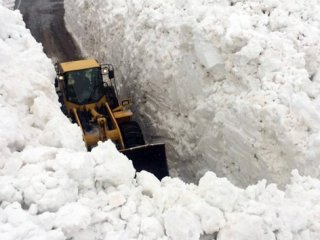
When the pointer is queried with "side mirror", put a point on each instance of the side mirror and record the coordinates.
(107, 69)
(111, 74)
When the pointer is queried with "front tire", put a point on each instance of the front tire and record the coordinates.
(131, 134)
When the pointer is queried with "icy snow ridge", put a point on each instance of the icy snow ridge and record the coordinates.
(231, 86)
(51, 188)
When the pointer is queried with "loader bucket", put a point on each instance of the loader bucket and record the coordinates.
(150, 157)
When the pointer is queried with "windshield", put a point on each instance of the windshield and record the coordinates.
(84, 86)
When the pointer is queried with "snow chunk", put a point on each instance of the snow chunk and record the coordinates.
(208, 55)
(150, 184)
(116, 199)
(49, 190)
(79, 166)
(151, 228)
(8, 193)
(180, 224)
(112, 167)
(211, 218)
(72, 218)
(218, 192)
(20, 225)
(243, 227)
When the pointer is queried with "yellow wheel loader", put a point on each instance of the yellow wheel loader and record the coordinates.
(87, 93)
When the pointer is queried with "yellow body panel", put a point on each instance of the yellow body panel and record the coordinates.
(91, 139)
(79, 65)
(104, 133)
(123, 114)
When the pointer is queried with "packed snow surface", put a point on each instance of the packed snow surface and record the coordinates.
(229, 85)
(51, 188)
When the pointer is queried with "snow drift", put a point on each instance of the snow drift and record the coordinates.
(231, 86)
(51, 188)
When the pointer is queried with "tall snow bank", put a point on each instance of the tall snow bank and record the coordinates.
(51, 188)
(231, 86)
(43, 161)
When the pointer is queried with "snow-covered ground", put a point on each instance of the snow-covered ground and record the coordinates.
(51, 188)
(229, 85)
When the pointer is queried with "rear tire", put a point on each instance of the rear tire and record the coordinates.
(131, 134)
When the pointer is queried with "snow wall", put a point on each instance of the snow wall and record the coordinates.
(52, 189)
(231, 86)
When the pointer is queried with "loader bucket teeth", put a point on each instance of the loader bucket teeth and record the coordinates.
(151, 158)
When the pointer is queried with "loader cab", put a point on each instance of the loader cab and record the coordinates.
(83, 86)
(82, 82)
